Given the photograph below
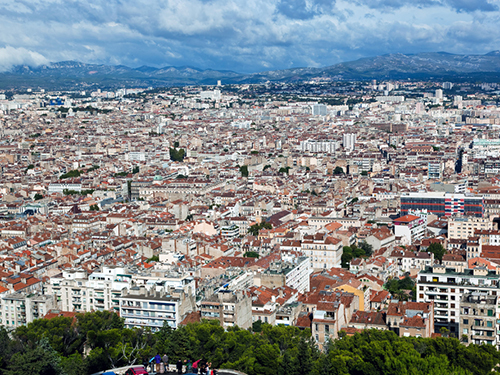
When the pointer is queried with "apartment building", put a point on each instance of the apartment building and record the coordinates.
(323, 251)
(463, 227)
(19, 309)
(152, 308)
(99, 291)
(479, 314)
(230, 308)
(446, 286)
(414, 319)
(443, 204)
(410, 227)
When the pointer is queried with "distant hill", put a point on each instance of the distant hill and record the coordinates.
(77, 75)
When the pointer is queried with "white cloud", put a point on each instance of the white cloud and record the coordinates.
(10, 56)
(243, 35)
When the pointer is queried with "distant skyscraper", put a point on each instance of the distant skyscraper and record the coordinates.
(319, 110)
(447, 85)
(439, 94)
(349, 141)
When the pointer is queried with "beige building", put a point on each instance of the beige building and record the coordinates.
(478, 319)
(463, 227)
(228, 307)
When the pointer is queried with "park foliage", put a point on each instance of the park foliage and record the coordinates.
(98, 341)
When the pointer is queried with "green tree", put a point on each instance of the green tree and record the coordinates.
(38, 196)
(284, 170)
(41, 359)
(244, 171)
(338, 170)
(438, 250)
(367, 248)
(255, 229)
(176, 155)
(288, 364)
(71, 174)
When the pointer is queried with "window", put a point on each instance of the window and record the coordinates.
(465, 331)
(490, 313)
(489, 324)
(466, 321)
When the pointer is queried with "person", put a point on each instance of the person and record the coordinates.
(208, 367)
(152, 364)
(179, 367)
(165, 361)
(203, 368)
(196, 364)
(157, 361)
(189, 367)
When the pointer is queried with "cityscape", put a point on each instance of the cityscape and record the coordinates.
(219, 187)
(330, 206)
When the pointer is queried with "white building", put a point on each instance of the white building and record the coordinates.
(149, 308)
(319, 110)
(19, 309)
(59, 187)
(324, 252)
(349, 141)
(315, 146)
(410, 227)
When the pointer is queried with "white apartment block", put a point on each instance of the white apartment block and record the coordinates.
(75, 291)
(445, 287)
(19, 309)
(59, 187)
(323, 252)
(154, 307)
(328, 146)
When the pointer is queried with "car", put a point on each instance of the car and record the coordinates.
(138, 370)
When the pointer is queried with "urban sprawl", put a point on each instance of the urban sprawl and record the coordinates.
(334, 206)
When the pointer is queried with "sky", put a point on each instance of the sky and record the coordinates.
(240, 35)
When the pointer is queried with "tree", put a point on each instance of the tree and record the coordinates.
(41, 359)
(71, 174)
(94, 207)
(284, 170)
(38, 196)
(251, 254)
(367, 248)
(254, 229)
(438, 250)
(338, 170)
(244, 171)
(176, 155)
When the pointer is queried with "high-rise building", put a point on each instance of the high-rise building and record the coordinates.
(349, 141)
(319, 110)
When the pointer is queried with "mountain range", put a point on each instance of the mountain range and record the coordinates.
(429, 65)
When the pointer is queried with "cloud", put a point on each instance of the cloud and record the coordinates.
(241, 35)
(10, 57)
